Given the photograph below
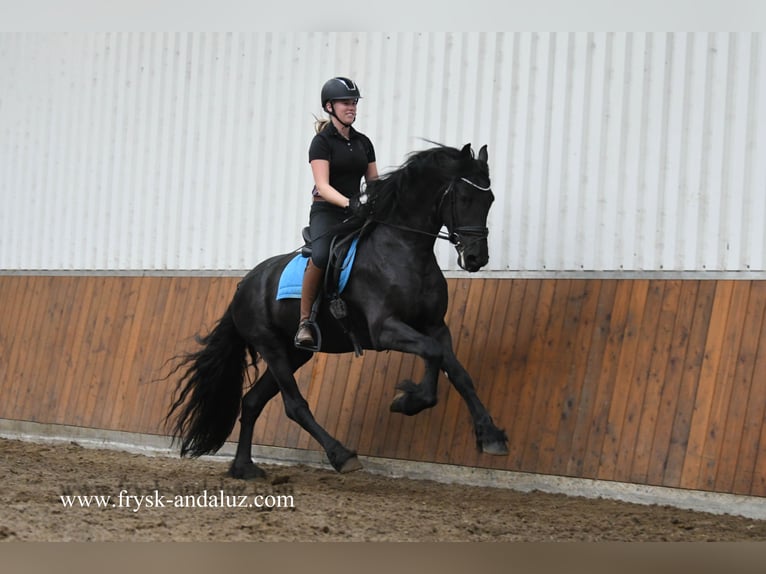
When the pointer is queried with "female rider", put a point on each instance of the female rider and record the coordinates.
(339, 157)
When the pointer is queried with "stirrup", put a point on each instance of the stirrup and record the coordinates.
(314, 345)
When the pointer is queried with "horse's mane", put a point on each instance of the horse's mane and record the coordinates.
(441, 163)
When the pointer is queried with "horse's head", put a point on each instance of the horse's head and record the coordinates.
(465, 207)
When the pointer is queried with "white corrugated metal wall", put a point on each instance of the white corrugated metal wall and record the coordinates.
(187, 151)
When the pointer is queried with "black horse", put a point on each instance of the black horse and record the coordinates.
(396, 299)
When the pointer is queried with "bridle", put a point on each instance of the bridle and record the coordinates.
(457, 234)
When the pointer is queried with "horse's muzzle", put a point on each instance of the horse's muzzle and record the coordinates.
(473, 257)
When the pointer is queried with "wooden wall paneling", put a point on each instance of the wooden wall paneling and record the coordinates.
(750, 468)
(534, 359)
(516, 368)
(25, 346)
(114, 387)
(687, 389)
(648, 417)
(11, 293)
(73, 352)
(361, 399)
(348, 401)
(377, 380)
(622, 380)
(25, 368)
(606, 380)
(163, 343)
(708, 380)
(52, 363)
(563, 376)
(743, 381)
(587, 400)
(673, 377)
(82, 401)
(118, 325)
(723, 386)
(543, 420)
(638, 383)
(341, 386)
(579, 325)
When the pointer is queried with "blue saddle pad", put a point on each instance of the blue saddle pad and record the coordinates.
(291, 281)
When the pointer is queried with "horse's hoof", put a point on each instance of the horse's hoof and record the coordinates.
(350, 465)
(247, 471)
(496, 448)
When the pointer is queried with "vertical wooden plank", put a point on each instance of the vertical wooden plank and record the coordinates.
(62, 298)
(378, 380)
(165, 338)
(586, 403)
(579, 326)
(695, 355)
(344, 431)
(631, 416)
(712, 359)
(534, 363)
(113, 389)
(722, 389)
(607, 379)
(658, 368)
(623, 379)
(361, 398)
(683, 342)
(29, 326)
(12, 294)
(543, 420)
(749, 467)
(743, 381)
(73, 350)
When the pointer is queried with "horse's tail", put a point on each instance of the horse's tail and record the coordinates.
(208, 395)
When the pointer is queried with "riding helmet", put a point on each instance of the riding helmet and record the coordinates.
(339, 88)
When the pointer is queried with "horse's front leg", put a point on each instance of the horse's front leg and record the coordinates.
(412, 398)
(489, 438)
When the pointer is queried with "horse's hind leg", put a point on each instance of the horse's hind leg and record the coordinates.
(297, 409)
(253, 403)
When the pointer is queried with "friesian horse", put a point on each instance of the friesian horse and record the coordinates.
(396, 299)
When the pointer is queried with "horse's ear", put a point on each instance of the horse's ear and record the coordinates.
(466, 151)
(483, 156)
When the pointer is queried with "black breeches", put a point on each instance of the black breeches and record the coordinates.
(325, 219)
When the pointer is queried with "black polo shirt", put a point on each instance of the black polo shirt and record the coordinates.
(348, 158)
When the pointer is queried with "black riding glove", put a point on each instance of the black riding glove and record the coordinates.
(360, 205)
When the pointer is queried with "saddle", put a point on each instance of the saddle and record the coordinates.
(340, 246)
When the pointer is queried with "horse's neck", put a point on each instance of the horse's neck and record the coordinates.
(421, 211)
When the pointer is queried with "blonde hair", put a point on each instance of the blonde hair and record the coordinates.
(320, 124)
